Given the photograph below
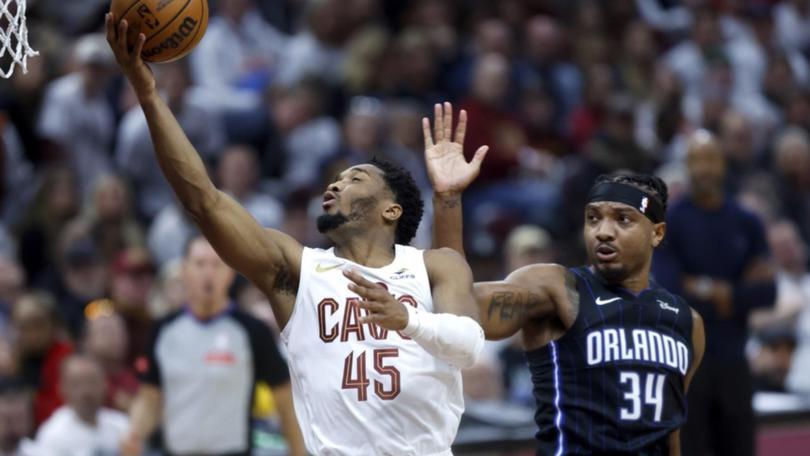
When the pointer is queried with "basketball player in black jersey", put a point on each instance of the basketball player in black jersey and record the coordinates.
(610, 352)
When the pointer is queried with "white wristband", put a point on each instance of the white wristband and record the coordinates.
(413, 321)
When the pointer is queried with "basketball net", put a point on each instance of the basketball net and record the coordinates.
(14, 36)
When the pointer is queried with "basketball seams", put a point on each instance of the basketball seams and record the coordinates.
(169, 22)
(129, 8)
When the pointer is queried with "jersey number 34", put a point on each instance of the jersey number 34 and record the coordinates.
(653, 395)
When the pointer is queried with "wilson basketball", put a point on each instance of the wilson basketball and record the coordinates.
(172, 27)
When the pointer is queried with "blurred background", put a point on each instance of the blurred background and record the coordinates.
(280, 94)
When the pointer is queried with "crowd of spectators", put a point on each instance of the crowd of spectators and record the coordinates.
(281, 94)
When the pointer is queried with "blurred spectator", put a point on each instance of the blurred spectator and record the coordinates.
(791, 163)
(772, 355)
(55, 203)
(40, 351)
(106, 340)
(12, 283)
(716, 256)
(490, 122)
(412, 69)
(238, 175)
(79, 274)
(737, 141)
(545, 43)
(792, 278)
(134, 153)
(132, 277)
(525, 245)
(15, 173)
(587, 116)
(316, 50)
(168, 233)
(309, 136)
(16, 420)
(83, 425)
(238, 56)
(200, 351)
(792, 24)
(168, 294)
(110, 218)
(77, 118)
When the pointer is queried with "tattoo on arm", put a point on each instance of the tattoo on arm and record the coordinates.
(511, 305)
(451, 203)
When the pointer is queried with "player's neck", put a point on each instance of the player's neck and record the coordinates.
(373, 252)
(636, 284)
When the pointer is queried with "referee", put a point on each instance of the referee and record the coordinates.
(202, 367)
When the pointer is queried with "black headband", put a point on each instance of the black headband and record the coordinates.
(628, 194)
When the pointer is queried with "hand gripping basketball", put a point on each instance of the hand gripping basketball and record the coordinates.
(138, 73)
(383, 309)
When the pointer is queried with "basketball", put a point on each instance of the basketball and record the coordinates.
(172, 27)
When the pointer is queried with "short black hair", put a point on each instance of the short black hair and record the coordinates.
(653, 186)
(406, 194)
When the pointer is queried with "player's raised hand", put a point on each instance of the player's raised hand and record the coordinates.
(130, 61)
(447, 168)
(383, 309)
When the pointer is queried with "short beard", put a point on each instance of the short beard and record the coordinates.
(361, 207)
(329, 222)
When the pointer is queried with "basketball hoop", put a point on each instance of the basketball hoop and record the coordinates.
(14, 36)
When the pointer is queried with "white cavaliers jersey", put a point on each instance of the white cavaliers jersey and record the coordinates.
(358, 388)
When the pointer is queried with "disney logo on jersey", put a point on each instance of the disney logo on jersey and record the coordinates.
(666, 306)
(403, 273)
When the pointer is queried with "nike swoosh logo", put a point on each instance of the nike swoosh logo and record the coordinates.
(602, 302)
(320, 268)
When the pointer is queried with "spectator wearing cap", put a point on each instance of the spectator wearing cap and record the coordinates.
(770, 357)
(76, 118)
(82, 426)
(525, 245)
(16, 419)
(202, 368)
(106, 340)
(79, 275)
(40, 351)
(133, 275)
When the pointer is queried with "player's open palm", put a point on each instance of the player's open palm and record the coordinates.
(381, 307)
(447, 168)
(129, 58)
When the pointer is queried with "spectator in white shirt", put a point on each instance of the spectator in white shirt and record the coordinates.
(237, 57)
(16, 417)
(82, 426)
(77, 119)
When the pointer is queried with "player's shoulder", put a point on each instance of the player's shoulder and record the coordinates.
(541, 274)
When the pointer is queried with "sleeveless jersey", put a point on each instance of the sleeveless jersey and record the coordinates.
(614, 383)
(360, 389)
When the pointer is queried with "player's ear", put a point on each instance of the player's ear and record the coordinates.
(659, 231)
(392, 212)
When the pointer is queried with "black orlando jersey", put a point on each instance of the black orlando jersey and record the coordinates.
(614, 383)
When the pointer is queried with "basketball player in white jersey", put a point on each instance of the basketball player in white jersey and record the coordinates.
(376, 331)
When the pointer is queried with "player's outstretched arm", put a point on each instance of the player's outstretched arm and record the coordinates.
(527, 293)
(450, 333)
(265, 257)
(450, 174)
(699, 346)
